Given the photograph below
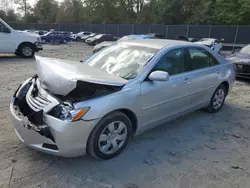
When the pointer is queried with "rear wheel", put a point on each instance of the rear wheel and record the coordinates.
(110, 136)
(65, 41)
(26, 50)
(217, 99)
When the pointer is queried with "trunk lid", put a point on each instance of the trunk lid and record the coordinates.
(60, 76)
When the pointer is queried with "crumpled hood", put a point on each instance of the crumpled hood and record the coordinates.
(60, 76)
(104, 44)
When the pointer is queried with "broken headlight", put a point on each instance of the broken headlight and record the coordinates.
(65, 111)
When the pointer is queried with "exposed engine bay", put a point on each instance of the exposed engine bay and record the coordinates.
(30, 105)
(85, 91)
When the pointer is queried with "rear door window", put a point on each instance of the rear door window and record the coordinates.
(200, 58)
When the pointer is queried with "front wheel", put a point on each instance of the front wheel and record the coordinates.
(78, 39)
(26, 50)
(110, 136)
(217, 99)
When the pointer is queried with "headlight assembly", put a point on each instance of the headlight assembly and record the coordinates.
(65, 111)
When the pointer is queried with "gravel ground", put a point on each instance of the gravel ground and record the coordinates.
(198, 150)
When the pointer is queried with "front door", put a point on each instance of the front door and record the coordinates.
(6, 41)
(160, 100)
(204, 76)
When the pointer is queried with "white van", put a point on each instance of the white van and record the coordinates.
(20, 43)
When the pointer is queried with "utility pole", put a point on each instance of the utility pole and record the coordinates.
(25, 7)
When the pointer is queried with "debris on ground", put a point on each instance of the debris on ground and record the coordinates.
(173, 153)
(131, 185)
(104, 185)
(210, 147)
(237, 167)
(149, 162)
(236, 136)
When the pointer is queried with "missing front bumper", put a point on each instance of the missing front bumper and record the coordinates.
(27, 121)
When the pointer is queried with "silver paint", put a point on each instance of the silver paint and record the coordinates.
(152, 102)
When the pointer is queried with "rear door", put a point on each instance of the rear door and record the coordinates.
(162, 99)
(204, 76)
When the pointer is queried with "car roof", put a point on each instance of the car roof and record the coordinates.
(155, 43)
(209, 39)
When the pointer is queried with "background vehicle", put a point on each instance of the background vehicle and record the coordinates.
(182, 38)
(90, 36)
(56, 36)
(157, 35)
(100, 38)
(41, 32)
(21, 43)
(88, 98)
(241, 59)
(81, 35)
(108, 43)
(214, 44)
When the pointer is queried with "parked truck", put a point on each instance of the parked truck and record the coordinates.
(21, 43)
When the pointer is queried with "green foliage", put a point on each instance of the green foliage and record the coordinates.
(134, 11)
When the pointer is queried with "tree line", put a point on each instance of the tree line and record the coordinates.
(131, 11)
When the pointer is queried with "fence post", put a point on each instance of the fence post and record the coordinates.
(166, 31)
(209, 34)
(187, 31)
(236, 35)
(149, 29)
(104, 29)
(133, 28)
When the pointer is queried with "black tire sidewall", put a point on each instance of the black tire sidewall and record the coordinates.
(93, 145)
(211, 108)
(26, 45)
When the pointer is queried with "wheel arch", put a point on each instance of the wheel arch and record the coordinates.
(130, 114)
(226, 84)
(25, 43)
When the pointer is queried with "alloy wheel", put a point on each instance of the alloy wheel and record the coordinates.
(27, 51)
(218, 99)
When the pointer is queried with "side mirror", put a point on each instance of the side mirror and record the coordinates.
(6, 30)
(159, 76)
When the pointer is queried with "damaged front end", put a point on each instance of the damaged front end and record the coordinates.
(29, 104)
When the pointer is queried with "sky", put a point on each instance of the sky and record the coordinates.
(9, 4)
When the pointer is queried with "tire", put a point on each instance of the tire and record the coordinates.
(26, 50)
(217, 99)
(78, 39)
(65, 41)
(112, 127)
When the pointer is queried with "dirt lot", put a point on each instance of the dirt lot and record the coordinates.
(199, 150)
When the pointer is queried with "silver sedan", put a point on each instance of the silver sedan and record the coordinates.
(71, 108)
